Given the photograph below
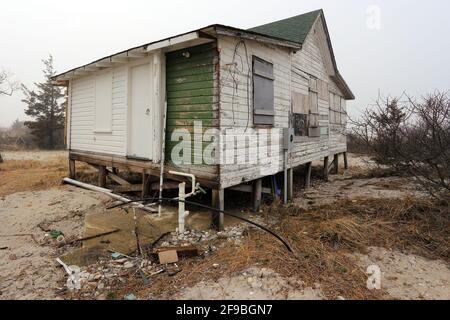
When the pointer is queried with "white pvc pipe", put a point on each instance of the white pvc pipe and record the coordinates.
(182, 213)
(193, 180)
(108, 192)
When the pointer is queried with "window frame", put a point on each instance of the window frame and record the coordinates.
(263, 116)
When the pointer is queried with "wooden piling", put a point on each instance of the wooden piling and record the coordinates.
(257, 195)
(336, 164)
(326, 168)
(218, 202)
(290, 184)
(308, 170)
(102, 176)
(145, 184)
(72, 170)
(345, 161)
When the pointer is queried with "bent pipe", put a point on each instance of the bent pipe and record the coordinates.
(199, 205)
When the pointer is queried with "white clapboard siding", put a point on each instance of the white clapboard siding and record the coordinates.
(83, 136)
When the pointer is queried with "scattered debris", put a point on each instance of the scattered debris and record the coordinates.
(55, 234)
(182, 252)
(130, 297)
(168, 256)
(116, 255)
(73, 282)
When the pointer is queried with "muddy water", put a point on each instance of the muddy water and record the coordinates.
(150, 228)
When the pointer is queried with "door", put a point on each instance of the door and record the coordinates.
(141, 128)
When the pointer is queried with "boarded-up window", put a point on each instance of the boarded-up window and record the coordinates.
(337, 109)
(314, 102)
(300, 124)
(313, 84)
(300, 103)
(263, 92)
(103, 102)
(322, 88)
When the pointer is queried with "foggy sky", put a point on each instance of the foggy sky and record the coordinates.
(410, 52)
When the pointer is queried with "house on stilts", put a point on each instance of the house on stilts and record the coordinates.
(232, 107)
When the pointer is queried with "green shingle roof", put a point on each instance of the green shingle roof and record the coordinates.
(293, 29)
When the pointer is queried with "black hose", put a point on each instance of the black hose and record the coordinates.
(209, 208)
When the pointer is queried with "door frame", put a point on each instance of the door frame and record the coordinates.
(157, 58)
(144, 61)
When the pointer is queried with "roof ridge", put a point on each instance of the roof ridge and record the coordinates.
(294, 28)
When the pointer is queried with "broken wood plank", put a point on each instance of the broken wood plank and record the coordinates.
(118, 179)
(94, 236)
(166, 257)
(130, 188)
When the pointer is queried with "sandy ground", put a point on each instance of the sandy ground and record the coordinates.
(252, 284)
(344, 186)
(409, 276)
(27, 268)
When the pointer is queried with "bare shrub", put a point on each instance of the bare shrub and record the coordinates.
(411, 136)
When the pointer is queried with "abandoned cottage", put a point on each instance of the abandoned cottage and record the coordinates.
(231, 107)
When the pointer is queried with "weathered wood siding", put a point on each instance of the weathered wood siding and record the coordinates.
(313, 61)
(191, 82)
(236, 105)
(292, 73)
(82, 116)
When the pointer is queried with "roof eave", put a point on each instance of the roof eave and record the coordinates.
(108, 61)
(251, 35)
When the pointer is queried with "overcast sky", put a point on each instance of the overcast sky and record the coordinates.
(407, 48)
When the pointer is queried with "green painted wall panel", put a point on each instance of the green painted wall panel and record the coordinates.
(189, 79)
(191, 93)
(190, 86)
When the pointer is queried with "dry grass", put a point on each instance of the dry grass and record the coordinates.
(323, 240)
(31, 175)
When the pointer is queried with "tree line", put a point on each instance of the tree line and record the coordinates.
(44, 104)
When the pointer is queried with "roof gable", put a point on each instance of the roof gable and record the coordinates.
(294, 29)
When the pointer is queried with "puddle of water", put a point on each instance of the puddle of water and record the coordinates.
(150, 228)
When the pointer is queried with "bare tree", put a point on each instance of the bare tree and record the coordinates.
(412, 137)
(7, 88)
